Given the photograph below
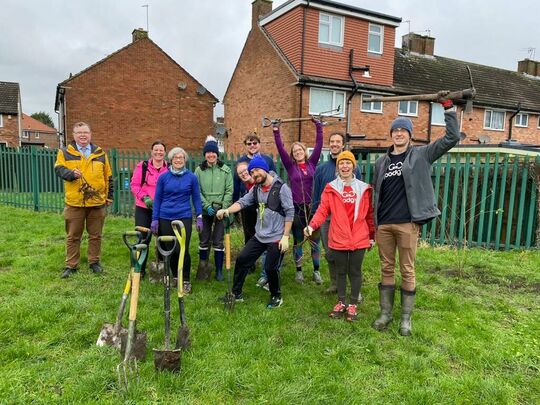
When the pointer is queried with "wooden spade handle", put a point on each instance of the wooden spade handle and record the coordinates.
(134, 296)
(227, 251)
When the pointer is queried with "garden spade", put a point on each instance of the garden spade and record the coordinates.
(128, 366)
(229, 296)
(111, 334)
(167, 359)
(182, 336)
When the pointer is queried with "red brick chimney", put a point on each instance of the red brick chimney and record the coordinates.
(530, 67)
(139, 33)
(258, 9)
(421, 44)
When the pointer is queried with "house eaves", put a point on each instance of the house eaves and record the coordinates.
(344, 85)
(9, 98)
(332, 7)
(66, 82)
(495, 88)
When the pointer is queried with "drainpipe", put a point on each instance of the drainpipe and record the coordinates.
(354, 89)
(511, 119)
(430, 125)
(301, 103)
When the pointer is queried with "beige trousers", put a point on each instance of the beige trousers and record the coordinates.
(76, 219)
(403, 238)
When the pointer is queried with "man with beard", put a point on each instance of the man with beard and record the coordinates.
(275, 213)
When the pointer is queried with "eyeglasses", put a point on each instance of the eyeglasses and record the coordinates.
(81, 132)
(178, 158)
(252, 143)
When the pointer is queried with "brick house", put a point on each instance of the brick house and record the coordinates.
(10, 114)
(36, 133)
(134, 96)
(307, 57)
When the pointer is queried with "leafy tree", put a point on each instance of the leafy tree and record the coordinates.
(43, 117)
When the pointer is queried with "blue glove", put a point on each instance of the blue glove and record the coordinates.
(210, 211)
(199, 224)
(154, 227)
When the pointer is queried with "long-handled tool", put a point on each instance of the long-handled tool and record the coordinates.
(129, 363)
(229, 296)
(182, 336)
(323, 117)
(156, 271)
(111, 334)
(167, 359)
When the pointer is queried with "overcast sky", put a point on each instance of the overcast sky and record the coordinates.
(43, 41)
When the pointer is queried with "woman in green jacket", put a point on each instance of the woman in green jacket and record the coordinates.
(216, 184)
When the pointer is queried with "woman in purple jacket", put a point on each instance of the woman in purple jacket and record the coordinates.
(300, 169)
(143, 186)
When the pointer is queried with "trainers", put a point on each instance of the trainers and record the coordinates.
(96, 267)
(351, 314)
(299, 278)
(237, 298)
(275, 302)
(317, 277)
(187, 287)
(261, 282)
(68, 271)
(338, 311)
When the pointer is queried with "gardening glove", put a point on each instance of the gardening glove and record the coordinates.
(447, 104)
(154, 226)
(210, 211)
(222, 213)
(284, 244)
(148, 202)
(308, 231)
(199, 224)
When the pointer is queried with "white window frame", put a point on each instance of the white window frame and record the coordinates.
(436, 109)
(26, 134)
(372, 108)
(331, 29)
(334, 103)
(490, 128)
(376, 34)
(36, 135)
(408, 108)
(519, 118)
(1, 120)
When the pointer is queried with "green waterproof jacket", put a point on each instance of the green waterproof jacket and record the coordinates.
(216, 184)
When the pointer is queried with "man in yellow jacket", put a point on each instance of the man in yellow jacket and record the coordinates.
(88, 190)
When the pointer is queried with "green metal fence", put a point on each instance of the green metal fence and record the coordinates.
(486, 199)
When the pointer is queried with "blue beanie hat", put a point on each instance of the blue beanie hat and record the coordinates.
(258, 163)
(402, 122)
(211, 145)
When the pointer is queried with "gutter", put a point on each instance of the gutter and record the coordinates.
(510, 121)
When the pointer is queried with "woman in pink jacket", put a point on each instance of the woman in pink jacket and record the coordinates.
(143, 186)
(352, 230)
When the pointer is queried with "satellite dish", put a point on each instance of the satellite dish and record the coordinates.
(182, 85)
(484, 139)
(201, 90)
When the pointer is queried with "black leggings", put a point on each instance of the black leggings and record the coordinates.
(348, 263)
(165, 228)
(143, 217)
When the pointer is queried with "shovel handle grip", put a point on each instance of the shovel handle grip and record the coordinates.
(134, 296)
(166, 239)
(130, 235)
(146, 233)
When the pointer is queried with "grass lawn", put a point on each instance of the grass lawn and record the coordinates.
(476, 331)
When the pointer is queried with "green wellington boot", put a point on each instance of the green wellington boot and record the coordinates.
(386, 302)
(407, 305)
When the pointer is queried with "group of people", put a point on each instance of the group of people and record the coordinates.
(325, 202)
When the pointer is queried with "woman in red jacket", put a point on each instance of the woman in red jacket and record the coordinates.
(352, 230)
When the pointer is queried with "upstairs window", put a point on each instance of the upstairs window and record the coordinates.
(522, 120)
(331, 29)
(36, 135)
(437, 114)
(371, 106)
(375, 38)
(408, 108)
(494, 120)
(26, 134)
(322, 100)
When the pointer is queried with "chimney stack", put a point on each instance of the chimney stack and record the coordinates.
(530, 67)
(258, 9)
(139, 33)
(421, 44)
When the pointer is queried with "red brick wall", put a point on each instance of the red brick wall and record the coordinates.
(9, 132)
(132, 98)
(262, 85)
(320, 60)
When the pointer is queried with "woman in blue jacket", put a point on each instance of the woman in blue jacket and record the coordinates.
(175, 191)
